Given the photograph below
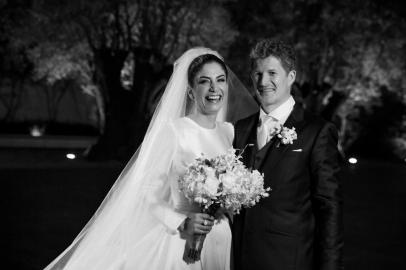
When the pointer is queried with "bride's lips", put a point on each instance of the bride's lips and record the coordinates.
(214, 98)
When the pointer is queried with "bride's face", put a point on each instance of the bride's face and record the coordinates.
(210, 88)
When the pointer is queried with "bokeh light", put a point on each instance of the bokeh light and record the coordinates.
(36, 131)
(70, 156)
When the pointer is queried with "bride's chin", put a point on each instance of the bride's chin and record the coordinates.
(214, 111)
(215, 106)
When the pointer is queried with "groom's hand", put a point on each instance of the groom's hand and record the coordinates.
(198, 223)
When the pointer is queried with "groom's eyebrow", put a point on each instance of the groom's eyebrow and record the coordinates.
(271, 69)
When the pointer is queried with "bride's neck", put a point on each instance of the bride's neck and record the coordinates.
(206, 121)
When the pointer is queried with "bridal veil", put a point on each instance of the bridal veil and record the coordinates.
(124, 220)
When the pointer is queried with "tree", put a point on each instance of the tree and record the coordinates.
(93, 40)
(14, 64)
(347, 51)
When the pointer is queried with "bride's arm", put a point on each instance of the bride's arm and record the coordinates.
(157, 187)
(165, 213)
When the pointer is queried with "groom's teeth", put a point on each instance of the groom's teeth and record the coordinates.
(266, 90)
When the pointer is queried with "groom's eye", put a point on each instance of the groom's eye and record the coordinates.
(257, 76)
(272, 73)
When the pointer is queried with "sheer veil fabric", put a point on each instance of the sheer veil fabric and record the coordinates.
(127, 219)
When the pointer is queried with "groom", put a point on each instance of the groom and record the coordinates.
(299, 226)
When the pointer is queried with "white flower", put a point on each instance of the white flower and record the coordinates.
(257, 178)
(228, 180)
(274, 129)
(222, 180)
(287, 135)
(211, 183)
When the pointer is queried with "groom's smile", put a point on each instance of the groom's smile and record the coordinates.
(265, 90)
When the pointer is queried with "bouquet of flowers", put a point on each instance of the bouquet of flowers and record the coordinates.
(221, 182)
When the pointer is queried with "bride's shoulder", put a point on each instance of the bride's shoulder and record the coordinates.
(185, 123)
(227, 126)
(181, 124)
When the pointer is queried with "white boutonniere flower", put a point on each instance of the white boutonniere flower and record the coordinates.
(274, 129)
(285, 135)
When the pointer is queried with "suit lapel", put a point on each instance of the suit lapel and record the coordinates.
(246, 139)
(273, 151)
(246, 130)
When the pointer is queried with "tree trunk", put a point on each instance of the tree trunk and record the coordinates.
(127, 114)
(112, 143)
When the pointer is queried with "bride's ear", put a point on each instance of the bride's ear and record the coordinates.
(190, 93)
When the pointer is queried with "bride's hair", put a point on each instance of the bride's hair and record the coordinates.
(197, 64)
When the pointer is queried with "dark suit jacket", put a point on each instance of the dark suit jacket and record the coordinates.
(299, 226)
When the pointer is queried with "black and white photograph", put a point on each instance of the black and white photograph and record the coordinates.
(203, 135)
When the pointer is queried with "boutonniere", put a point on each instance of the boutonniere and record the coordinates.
(284, 134)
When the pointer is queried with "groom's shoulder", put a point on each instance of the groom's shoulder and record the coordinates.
(313, 118)
(316, 121)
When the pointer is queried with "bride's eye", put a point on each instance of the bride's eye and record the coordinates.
(221, 79)
(203, 81)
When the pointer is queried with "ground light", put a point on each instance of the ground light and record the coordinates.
(70, 156)
(352, 160)
(36, 131)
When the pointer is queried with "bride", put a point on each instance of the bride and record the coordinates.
(145, 222)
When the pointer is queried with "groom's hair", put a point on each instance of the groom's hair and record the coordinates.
(276, 48)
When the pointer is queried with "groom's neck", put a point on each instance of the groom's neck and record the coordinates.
(269, 108)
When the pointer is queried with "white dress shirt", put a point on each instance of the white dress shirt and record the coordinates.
(273, 118)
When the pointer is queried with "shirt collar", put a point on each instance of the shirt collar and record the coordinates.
(282, 112)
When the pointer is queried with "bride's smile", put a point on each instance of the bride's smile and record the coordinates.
(214, 98)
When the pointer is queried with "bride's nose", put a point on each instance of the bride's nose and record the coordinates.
(212, 87)
(215, 86)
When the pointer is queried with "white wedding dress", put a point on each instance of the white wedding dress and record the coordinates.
(163, 248)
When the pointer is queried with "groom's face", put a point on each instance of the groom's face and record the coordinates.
(272, 82)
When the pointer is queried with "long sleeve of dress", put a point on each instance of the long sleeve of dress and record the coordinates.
(158, 190)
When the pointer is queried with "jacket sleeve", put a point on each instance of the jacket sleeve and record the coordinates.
(327, 200)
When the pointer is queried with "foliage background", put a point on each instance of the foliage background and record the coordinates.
(103, 64)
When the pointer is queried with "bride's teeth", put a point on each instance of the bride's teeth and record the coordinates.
(213, 98)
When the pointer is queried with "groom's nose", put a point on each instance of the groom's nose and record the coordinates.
(262, 80)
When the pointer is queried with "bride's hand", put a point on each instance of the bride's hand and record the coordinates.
(198, 223)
